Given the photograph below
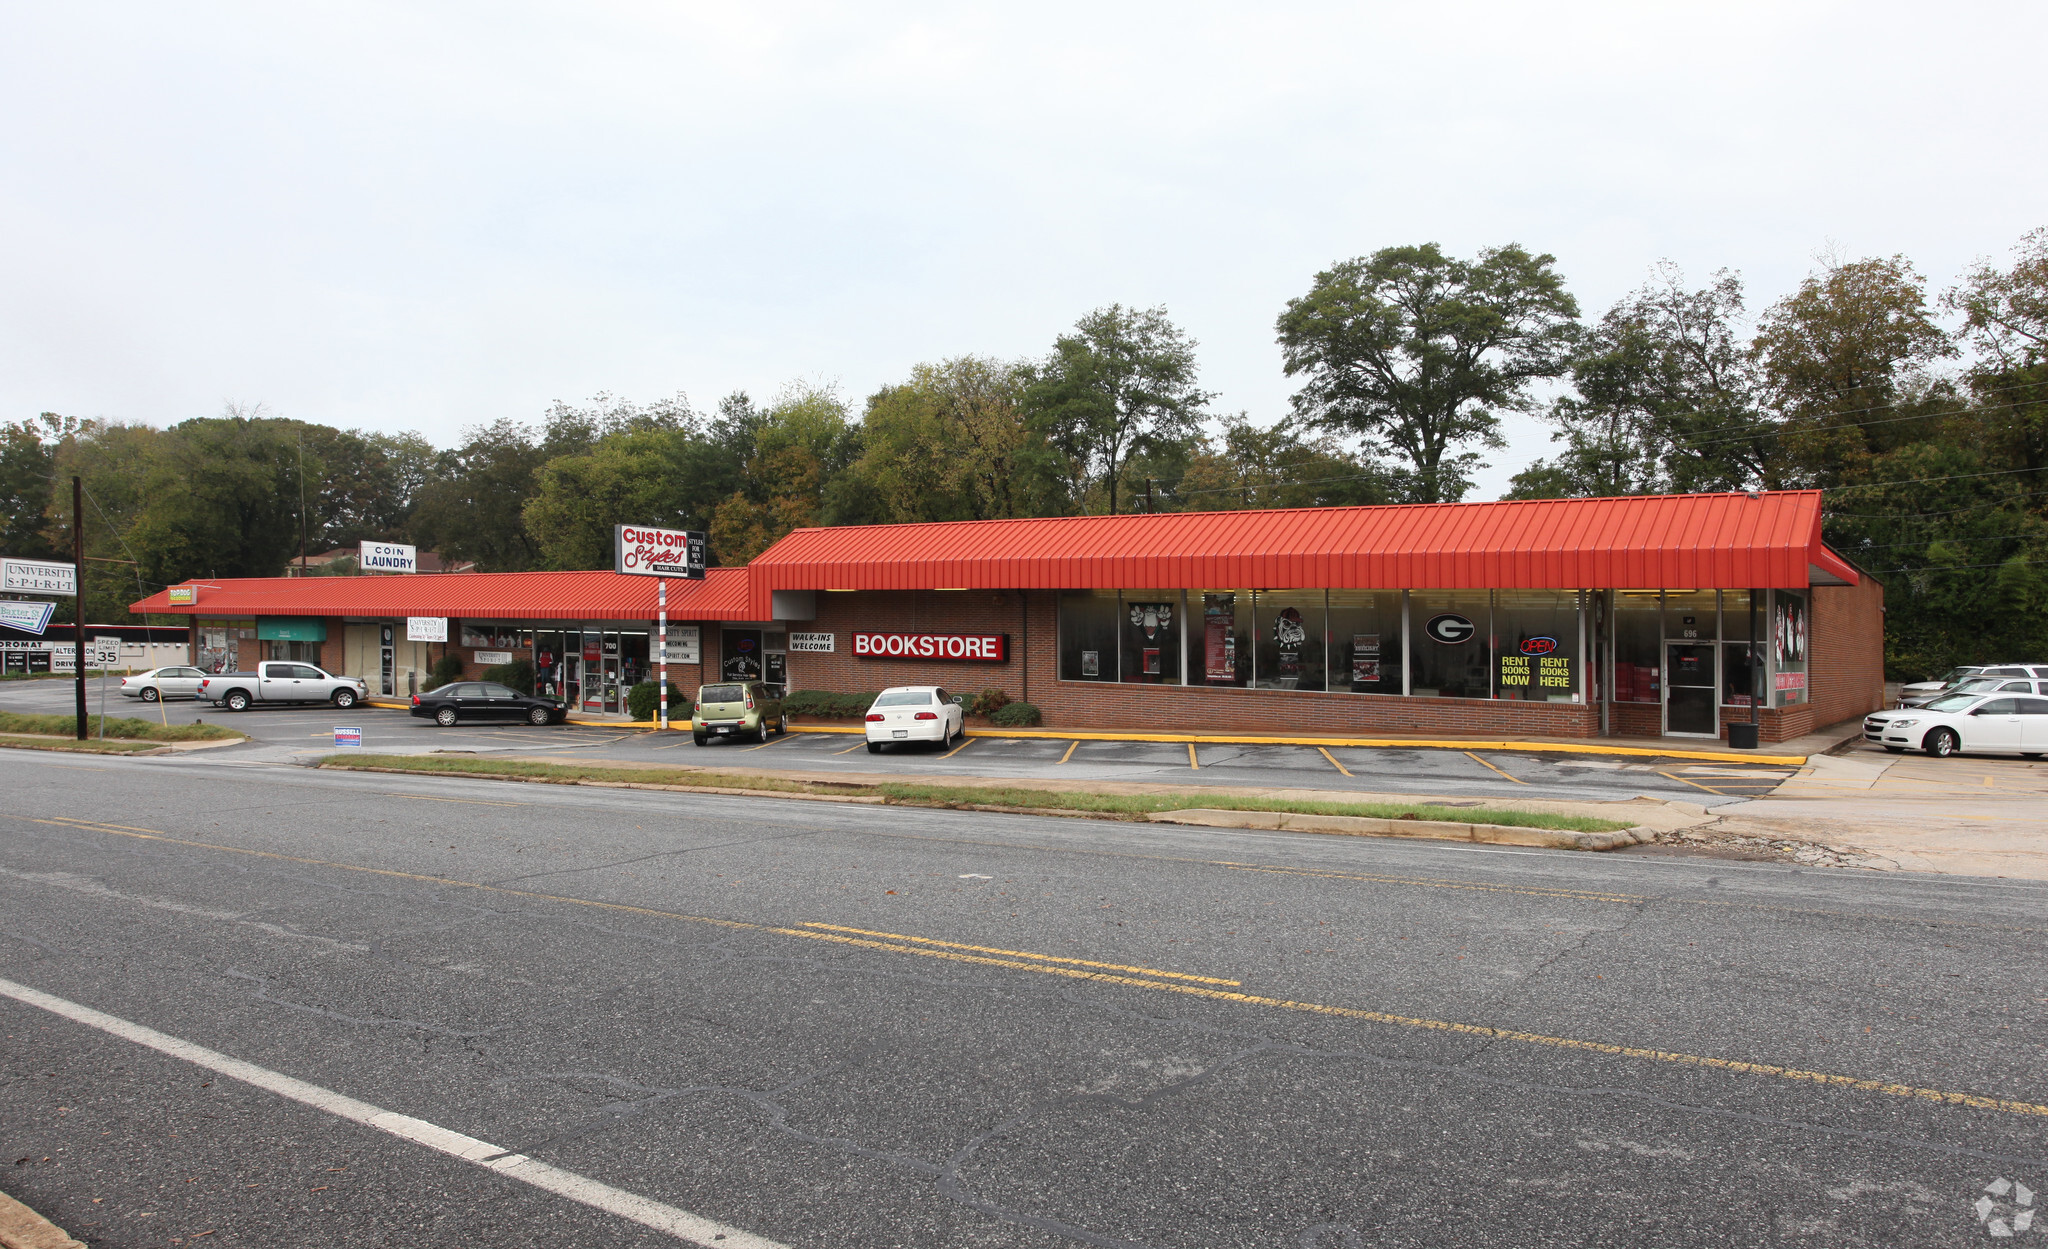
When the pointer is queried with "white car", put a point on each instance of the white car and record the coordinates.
(1953, 723)
(1976, 680)
(163, 683)
(914, 713)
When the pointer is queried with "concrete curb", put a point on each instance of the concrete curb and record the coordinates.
(23, 1228)
(1432, 830)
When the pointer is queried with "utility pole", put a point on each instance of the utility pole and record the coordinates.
(78, 599)
(302, 503)
(1148, 496)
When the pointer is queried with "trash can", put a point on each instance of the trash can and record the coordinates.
(1742, 735)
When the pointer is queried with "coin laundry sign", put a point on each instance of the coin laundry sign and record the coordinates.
(659, 552)
(988, 648)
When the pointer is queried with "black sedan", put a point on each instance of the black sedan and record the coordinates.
(485, 700)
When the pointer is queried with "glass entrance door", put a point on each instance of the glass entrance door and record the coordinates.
(1691, 690)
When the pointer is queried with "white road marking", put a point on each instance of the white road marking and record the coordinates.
(680, 1224)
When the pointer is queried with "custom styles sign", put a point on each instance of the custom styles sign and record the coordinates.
(986, 648)
(37, 576)
(388, 557)
(658, 552)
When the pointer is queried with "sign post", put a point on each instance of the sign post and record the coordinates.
(659, 553)
(78, 600)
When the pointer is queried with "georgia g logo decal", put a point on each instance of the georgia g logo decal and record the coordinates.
(1450, 629)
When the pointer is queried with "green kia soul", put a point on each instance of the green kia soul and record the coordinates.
(742, 709)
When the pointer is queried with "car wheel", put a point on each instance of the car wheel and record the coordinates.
(539, 715)
(700, 739)
(761, 733)
(344, 699)
(874, 748)
(237, 701)
(149, 693)
(445, 717)
(1942, 743)
(781, 725)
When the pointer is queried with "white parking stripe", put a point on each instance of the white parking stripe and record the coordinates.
(648, 1213)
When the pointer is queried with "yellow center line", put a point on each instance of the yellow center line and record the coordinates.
(1044, 958)
(957, 749)
(1071, 748)
(474, 802)
(1675, 1057)
(1192, 762)
(1333, 760)
(1484, 764)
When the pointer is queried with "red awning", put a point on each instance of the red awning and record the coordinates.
(1702, 541)
(474, 596)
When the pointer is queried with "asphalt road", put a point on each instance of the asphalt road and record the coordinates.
(836, 1025)
(300, 733)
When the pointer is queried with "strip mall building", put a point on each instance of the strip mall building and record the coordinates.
(1580, 618)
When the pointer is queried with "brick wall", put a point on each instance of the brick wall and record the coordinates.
(1845, 665)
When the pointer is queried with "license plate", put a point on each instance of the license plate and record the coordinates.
(721, 732)
(899, 733)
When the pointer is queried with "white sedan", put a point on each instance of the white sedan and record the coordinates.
(914, 713)
(1953, 723)
(163, 683)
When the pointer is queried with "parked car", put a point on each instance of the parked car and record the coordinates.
(280, 682)
(1925, 690)
(1980, 723)
(163, 683)
(1979, 680)
(485, 700)
(748, 710)
(914, 713)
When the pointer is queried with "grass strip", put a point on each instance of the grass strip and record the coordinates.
(112, 746)
(123, 727)
(975, 795)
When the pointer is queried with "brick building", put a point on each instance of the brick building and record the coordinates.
(1634, 616)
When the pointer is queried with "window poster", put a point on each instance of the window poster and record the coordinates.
(1364, 671)
(1091, 663)
(1219, 637)
(1290, 632)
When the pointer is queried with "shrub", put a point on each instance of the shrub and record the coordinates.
(1017, 716)
(643, 701)
(446, 669)
(518, 674)
(987, 703)
(826, 704)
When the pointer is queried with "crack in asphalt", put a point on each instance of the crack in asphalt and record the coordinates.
(659, 854)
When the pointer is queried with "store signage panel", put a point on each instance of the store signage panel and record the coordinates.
(987, 648)
(426, 628)
(37, 576)
(1538, 674)
(183, 595)
(388, 557)
(27, 617)
(813, 643)
(647, 552)
(685, 644)
(493, 658)
(1791, 680)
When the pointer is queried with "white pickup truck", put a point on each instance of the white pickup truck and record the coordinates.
(281, 682)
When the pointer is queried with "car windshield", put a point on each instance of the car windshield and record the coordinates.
(1976, 684)
(1953, 702)
(722, 694)
(1954, 675)
(905, 698)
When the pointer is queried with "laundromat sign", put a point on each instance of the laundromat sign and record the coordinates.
(987, 648)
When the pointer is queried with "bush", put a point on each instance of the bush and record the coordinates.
(518, 674)
(987, 703)
(446, 669)
(826, 704)
(1017, 716)
(643, 701)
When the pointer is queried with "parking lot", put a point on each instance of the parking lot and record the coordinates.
(293, 734)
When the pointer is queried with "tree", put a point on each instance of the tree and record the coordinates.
(796, 443)
(945, 445)
(28, 466)
(474, 507)
(626, 478)
(2006, 320)
(1275, 466)
(1123, 382)
(1417, 352)
(1663, 399)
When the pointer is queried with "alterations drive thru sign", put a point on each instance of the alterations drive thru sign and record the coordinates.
(659, 552)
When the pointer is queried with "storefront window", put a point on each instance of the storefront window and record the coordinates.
(1638, 647)
(739, 655)
(1363, 635)
(1788, 646)
(1691, 616)
(1290, 643)
(1149, 624)
(1536, 645)
(1738, 678)
(1451, 656)
(1225, 644)
(1088, 634)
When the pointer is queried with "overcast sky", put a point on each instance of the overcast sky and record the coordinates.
(427, 216)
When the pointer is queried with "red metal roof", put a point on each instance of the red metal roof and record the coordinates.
(722, 595)
(1701, 541)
